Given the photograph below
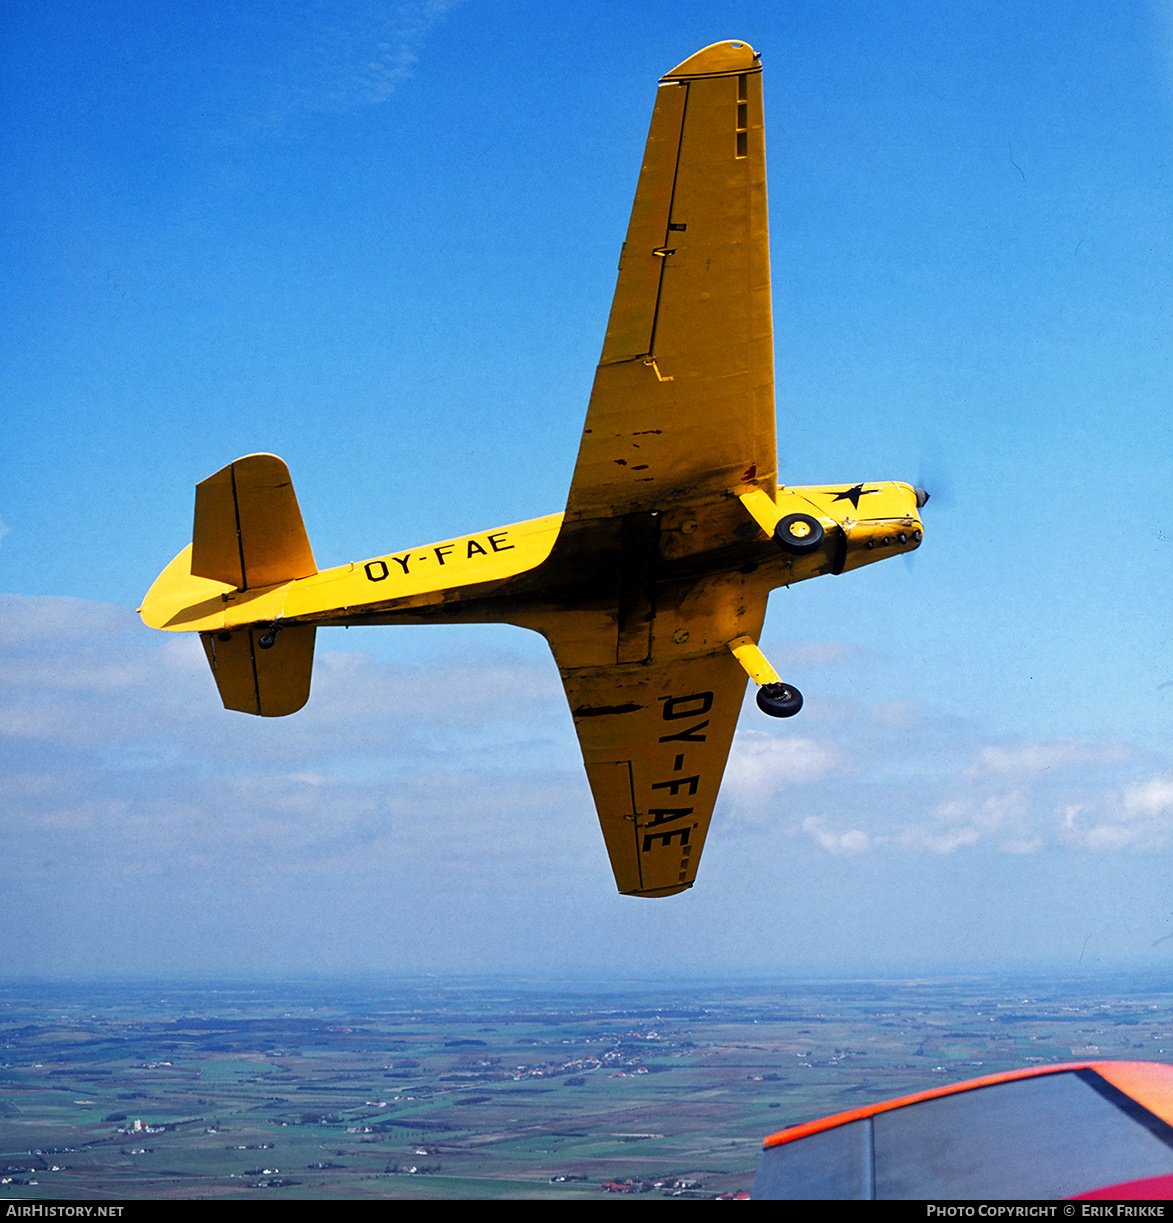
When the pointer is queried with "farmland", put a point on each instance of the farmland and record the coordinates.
(481, 1089)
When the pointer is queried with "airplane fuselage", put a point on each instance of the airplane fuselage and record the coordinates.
(641, 572)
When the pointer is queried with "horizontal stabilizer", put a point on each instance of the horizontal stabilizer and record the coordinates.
(248, 530)
(252, 679)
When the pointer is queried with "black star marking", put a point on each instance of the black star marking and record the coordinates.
(853, 495)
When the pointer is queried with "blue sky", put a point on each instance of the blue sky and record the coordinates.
(380, 240)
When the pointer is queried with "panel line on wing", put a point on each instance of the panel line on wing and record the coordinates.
(650, 355)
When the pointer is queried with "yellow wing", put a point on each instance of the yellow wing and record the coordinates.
(683, 400)
(655, 740)
(655, 733)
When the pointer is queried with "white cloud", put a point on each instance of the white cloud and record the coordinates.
(115, 748)
(762, 764)
(962, 822)
(1152, 798)
(1041, 757)
(901, 779)
(55, 620)
(942, 842)
(414, 793)
(764, 769)
(1137, 816)
(80, 674)
(853, 841)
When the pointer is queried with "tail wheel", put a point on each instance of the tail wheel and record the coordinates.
(269, 639)
(799, 533)
(779, 700)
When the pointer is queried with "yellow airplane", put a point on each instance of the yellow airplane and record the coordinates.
(651, 585)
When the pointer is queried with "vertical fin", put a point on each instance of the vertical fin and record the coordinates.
(248, 529)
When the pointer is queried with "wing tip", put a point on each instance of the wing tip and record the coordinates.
(655, 893)
(715, 60)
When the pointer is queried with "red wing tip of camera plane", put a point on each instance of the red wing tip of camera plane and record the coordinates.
(1093, 1130)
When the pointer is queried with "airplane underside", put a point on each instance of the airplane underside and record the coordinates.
(651, 586)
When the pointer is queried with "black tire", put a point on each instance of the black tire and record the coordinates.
(779, 700)
(799, 533)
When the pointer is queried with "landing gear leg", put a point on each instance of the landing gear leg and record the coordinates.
(777, 699)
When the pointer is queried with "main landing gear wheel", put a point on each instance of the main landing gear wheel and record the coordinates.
(798, 533)
(779, 700)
